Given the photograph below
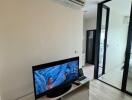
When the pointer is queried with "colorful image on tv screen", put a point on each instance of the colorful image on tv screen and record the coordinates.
(53, 76)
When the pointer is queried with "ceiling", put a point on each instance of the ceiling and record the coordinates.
(90, 8)
(120, 6)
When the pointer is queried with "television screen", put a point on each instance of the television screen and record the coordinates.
(52, 76)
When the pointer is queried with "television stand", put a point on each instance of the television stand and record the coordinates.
(84, 84)
(59, 91)
(76, 92)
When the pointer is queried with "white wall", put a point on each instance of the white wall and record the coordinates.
(89, 24)
(34, 32)
(117, 38)
(1, 58)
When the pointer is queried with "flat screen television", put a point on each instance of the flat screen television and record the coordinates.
(55, 78)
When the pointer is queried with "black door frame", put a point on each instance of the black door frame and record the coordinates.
(127, 56)
(98, 34)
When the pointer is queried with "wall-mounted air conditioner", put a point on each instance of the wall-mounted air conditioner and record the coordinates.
(73, 2)
(78, 2)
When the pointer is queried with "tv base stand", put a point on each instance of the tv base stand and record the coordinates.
(59, 92)
(76, 92)
(73, 92)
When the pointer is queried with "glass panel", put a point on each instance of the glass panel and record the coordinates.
(102, 38)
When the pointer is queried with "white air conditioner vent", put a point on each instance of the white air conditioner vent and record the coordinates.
(78, 2)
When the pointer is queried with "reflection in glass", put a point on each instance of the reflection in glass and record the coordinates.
(102, 39)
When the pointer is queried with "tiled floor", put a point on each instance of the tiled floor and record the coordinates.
(113, 77)
(101, 91)
(129, 85)
(88, 70)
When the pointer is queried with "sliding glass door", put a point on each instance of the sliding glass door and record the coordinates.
(101, 39)
(113, 55)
